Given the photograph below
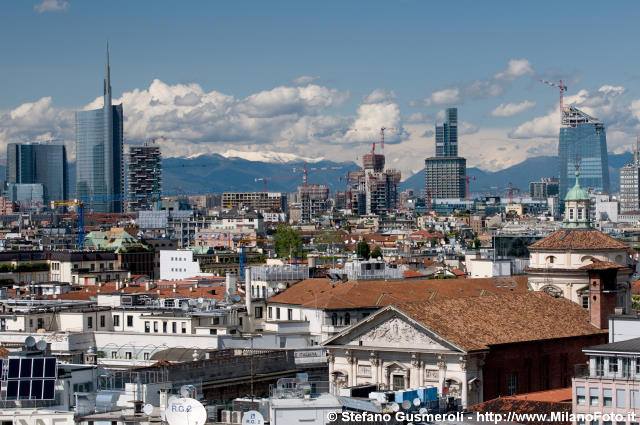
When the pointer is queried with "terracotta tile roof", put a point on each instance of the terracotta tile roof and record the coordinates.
(321, 293)
(575, 239)
(475, 323)
(411, 273)
(543, 403)
(597, 264)
(635, 288)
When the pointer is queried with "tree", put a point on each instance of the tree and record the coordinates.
(377, 252)
(329, 238)
(363, 250)
(287, 240)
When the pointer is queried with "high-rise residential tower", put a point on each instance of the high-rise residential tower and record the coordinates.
(99, 165)
(145, 177)
(583, 140)
(39, 163)
(445, 173)
(630, 183)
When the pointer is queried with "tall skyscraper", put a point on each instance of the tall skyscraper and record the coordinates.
(447, 135)
(630, 183)
(39, 163)
(145, 177)
(99, 165)
(445, 173)
(582, 139)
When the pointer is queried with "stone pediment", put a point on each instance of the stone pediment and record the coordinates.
(393, 332)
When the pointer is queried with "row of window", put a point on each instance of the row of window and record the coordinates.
(607, 397)
(270, 313)
(128, 355)
(174, 327)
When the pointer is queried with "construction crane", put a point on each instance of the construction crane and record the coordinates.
(562, 89)
(382, 130)
(242, 259)
(305, 170)
(80, 207)
(467, 179)
(264, 183)
(511, 190)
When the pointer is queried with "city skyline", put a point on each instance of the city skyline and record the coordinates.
(266, 94)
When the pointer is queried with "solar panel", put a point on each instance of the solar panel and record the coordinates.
(14, 369)
(36, 389)
(38, 368)
(25, 390)
(50, 369)
(48, 390)
(25, 368)
(12, 390)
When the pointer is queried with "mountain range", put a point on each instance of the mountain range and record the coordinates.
(216, 173)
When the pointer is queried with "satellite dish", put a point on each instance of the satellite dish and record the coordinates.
(416, 402)
(185, 411)
(41, 345)
(423, 410)
(184, 306)
(395, 407)
(252, 417)
(148, 409)
(30, 342)
(406, 405)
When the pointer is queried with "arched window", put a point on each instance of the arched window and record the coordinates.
(347, 319)
(334, 319)
(551, 259)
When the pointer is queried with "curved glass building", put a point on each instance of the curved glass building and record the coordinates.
(583, 141)
(99, 145)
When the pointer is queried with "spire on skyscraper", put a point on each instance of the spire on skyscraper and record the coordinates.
(107, 75)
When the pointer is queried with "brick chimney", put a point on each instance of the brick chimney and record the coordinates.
(603, 294)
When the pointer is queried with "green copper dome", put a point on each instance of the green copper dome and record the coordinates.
(577, 193)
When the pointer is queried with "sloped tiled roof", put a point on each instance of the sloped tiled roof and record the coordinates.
(475, 323)
(542, 402)
(321, 293)
(578, 239)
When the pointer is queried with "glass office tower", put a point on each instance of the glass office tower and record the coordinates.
(447, 135)
(582, 139)
(39, 163)
(99, 145)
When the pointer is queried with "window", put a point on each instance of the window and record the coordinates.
(283, 341)
(164, 327)
(270, 312)
(114, 354)
(594, 398)
(347, 319)
(289, 314)
(128, 355)
(634, 399)
(40, 323)
(277, 313)
(129, 321)
(213, 331)
(89, 322)
(102, 321)
(116, 320)
(613, 365)
(398, 382)
(607, 397)
(147, 327)
(174, 327)
(621, 398)
(334, 319)
(513, 383)
(581, 396)
(145, 356)
(599, 366)
(638, 366)
(184, 327)
(570, 213)
(585, 302)
(155, 326)
(258, 312)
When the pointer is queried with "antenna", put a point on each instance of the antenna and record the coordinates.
(41, 345)
(30, 342)
(185, 411)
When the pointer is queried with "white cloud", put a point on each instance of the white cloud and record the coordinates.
(380, 96)
(304, 80)
(440, 98)
(510, 109)
(51, 6)
(516, 68)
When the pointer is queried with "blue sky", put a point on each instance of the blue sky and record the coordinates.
(225, 77)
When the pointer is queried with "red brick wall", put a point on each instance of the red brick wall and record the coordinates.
(539, 365)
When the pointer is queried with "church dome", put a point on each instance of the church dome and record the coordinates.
(577, 193)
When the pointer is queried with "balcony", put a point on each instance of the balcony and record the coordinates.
(624, 374)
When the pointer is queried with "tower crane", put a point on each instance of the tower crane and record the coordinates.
(561, 87)
(264, 182)
(382, 130)
(80, 207)
(305, 170)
